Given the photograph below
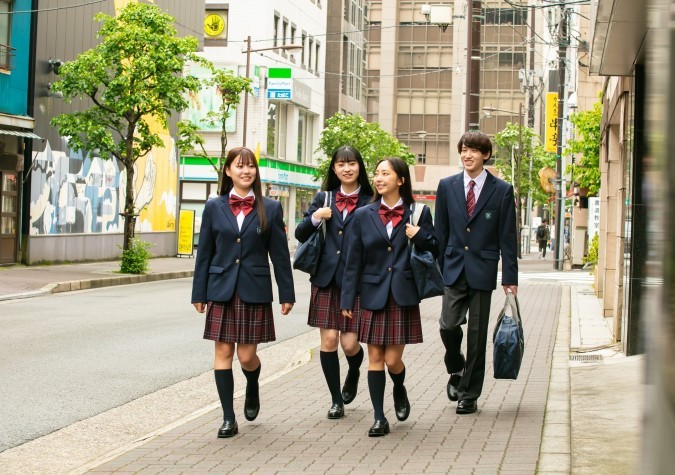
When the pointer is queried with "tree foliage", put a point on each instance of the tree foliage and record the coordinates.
(369, 139)
(586, 171)
(132, 80)
(229, 88)
(506, 141)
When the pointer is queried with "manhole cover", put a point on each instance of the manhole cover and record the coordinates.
(585, 358)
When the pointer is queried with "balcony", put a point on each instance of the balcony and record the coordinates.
(6, 53)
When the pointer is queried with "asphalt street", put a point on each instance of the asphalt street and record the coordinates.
(67, 357)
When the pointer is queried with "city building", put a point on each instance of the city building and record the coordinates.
(283, 119)
(16, 124)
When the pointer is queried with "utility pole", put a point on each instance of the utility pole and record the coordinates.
(560, 196)
(518, 200)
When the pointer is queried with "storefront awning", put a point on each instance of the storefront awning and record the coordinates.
(20, 133)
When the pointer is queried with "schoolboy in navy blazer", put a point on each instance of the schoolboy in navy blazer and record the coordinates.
(335, 244)
(241, 258)
(386, 267)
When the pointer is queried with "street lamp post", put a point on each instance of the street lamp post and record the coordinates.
(488, 111)
(248, 52)
(422, 134)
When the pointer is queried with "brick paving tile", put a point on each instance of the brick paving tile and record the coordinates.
(505, 435)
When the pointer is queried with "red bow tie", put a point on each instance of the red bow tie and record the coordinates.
(394, 214)
(244, 205)
(343, 201)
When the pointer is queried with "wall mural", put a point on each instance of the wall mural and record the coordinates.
(72, 194)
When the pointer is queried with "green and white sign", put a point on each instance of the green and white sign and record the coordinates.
(279, 83)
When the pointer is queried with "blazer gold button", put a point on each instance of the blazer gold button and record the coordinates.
(468, 230)
(238, 239)
(340, 233)
(389, 269)
(389, 248)
(338, 252)
(466, 248)
(237, 261)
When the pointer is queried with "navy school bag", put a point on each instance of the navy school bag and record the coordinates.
(508, 340)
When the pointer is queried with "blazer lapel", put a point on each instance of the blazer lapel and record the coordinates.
(225, 206)
(485, 193)
(460, 197)
(401, 225)
(248, 219)
(377, 222)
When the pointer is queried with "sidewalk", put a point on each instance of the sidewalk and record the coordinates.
(560, 416)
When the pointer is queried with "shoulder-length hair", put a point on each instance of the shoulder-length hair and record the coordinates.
(347, 154)
(401, 169)
(247, 157)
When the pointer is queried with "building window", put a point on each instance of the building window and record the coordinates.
(310, 48)
(276, 130)
(5, 48)
(284, 32)
(276, 29)
(305, 136)
(316, 59)
(302, 54)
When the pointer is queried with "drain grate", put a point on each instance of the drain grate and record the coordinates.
(586, 358)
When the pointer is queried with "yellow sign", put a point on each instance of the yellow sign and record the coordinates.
(214, 24)
(551, 127)
(186, 232)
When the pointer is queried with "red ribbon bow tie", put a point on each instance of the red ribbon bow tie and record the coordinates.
(394, 215)
(244, 205)
(343, 201)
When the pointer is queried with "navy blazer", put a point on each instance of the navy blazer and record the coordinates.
(229, 259)
(378, 265)
(475, 244)
(333, 257)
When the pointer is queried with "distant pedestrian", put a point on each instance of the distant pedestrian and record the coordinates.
(232, 279)
(346, 183)
(476, 225)
(543, 234)
(378, 265)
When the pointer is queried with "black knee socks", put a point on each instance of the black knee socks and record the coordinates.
(355, 361)
(225, 386)
(376, 383)
(331, 370)
(252, 381)
(398, 379)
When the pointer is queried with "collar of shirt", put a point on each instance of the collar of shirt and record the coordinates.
(399, 202)
(250, 193)
(480, 181)
(356, 192)
(240, 216)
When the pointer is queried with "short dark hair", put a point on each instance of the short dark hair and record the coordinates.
(402, 171)
(477, 140)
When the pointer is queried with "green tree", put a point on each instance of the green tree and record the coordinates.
(369, 139)
(132, 80)
(229, 88)
(586, 172)
(507, 140)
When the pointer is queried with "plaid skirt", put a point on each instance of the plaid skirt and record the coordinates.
(236, 321)
(325, 312)
(392, 325)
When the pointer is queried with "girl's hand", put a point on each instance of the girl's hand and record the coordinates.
(200, 306)
(346, 313)
(322, 213)
(285, 308)
(411, 230)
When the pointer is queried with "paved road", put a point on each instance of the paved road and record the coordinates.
(67, 357)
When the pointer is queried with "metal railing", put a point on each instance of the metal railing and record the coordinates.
(6, 53)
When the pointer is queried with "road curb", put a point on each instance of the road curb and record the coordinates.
(116, 280)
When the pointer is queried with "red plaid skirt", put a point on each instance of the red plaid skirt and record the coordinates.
(325, 312)
(393, 325)
(239, 322)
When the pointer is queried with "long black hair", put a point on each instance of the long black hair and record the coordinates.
(346, 154)
(247, 157)
(403, 172)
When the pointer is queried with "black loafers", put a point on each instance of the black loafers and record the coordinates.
(467, 406)
(251, 404)
(401, 403)
(453, 385)
(228, 429)
(351, 385)
(379, 429)
(336, 411)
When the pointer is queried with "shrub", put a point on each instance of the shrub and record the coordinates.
(136, 259)
(591, 257)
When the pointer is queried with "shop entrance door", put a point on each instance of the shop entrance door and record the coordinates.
(9, 212)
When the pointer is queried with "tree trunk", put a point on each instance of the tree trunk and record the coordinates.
(129, 214)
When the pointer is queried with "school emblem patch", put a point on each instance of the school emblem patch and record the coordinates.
(488, 216)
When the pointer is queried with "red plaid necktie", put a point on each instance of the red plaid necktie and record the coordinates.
(394, 214)
(470, 199)
(343, 201)
(241, 204)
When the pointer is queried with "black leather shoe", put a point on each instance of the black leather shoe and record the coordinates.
(336, 411)
(251, 405)
(467, 406)
(453, 385)
(379, 429)
(351, 385)
(401, 403)
(228, 429)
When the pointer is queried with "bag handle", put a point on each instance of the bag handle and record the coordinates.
(327, 198)
(511, 302)
(415, 213)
